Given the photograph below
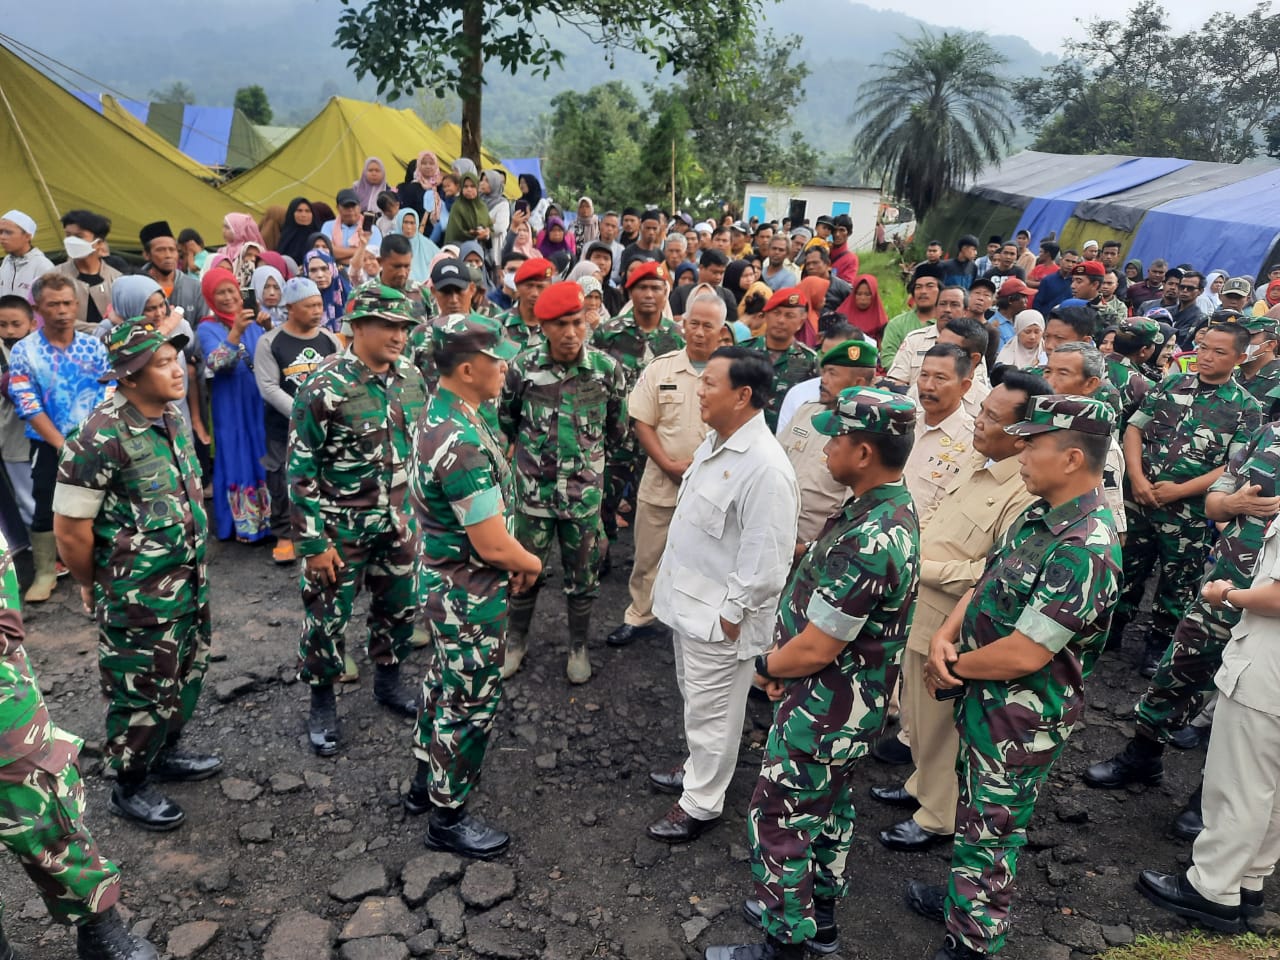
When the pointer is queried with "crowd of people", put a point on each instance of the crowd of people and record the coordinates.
(941, 518)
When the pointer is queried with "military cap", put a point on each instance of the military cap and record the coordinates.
(539, 268)
(1064, 412)
(1089, 268)
(1240, 286)
(787, 297)
(1262, 324)
(132, 344)
(851, 353)
(559, 300)
(649, 269)
(868, 409)
(450, 274)
(1146, 330)
(382, 303)
(473, 333)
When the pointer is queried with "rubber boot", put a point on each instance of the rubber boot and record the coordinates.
(519, 619)
(105, 937)
(350, 669)
(322, 722)
(578, 669)
(44, 553)
(390, 691)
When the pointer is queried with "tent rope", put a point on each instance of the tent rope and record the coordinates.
(29, 154)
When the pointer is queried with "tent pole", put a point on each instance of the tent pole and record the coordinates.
(26, 150)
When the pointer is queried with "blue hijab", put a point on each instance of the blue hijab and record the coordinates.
(424, 251)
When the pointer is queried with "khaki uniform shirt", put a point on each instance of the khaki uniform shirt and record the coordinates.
(910, 359)
(1113, 484)
(666, 398)
(939, 454)
(820, 494)
(979, 504)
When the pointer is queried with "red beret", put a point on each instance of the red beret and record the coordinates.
(559, 300)
(536, 269)
(787, 297)
(650, 268)
(1089, 268)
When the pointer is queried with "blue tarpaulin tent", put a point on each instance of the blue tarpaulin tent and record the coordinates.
(526, 165)
(1051, 211)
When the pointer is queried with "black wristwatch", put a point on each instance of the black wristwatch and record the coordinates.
(762, 666)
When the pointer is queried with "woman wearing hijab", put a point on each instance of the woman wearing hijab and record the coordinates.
(492, 184)
(863, 307)
(614, 299)
(520, 240)
(244, 244)
(468, 217)
(423, 249)
(228, 337)
(419, 190)
(268, 288)
(1023, 350)
(815, 293)
(324, 273)
(1208, 301)
(299, 222)
(373, 180)
(531, 194)
(751, 309)
(734, 276)
(555, 239)
(586, 227)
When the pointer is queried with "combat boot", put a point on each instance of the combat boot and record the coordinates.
(142, 804)
(455, 830)
(771, 949)
(391, 693)
(578, 669)
(1139, 762)
(953, 949)
(1157, 643)
(104, 937)
(826, 940)
(322, 722)
(44, 554)
(519, 618)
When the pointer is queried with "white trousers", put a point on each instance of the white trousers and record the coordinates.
(1241, 807)
(714, 684)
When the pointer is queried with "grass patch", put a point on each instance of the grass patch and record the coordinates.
(1197, 946)
(885, 268)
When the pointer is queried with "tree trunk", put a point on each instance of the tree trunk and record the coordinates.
(472, 67)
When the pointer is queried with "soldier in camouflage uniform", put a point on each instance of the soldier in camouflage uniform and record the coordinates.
(841, 626)
(1260, 373)
(452, 292)
(1075, 324)
(564, 410)
(1135, 343)
(460, 486)
(1039, 612)
(1242, 502)
(131, 525)
(793, 362)
(42, 803)
(348, 471)
(1176, 445)
(521, 321)
(633, 340)
(396, 260)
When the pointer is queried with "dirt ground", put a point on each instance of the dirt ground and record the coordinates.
(272, 844)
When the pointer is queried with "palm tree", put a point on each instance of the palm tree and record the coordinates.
(934, 114)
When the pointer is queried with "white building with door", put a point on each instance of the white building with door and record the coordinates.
(766, 201)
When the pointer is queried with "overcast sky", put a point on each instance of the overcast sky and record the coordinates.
(1045, 25)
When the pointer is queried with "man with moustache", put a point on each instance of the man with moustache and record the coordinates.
(792, 361)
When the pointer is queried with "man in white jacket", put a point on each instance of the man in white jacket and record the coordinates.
(728, 554)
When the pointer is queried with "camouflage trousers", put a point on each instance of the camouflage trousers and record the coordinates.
(1175, 540)
(996, 803)
(42, 823)
(581, 543)
(800, 825)
(461, 690)
(384, 566)
(152, 678)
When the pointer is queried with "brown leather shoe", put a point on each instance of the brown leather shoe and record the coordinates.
(677, 826)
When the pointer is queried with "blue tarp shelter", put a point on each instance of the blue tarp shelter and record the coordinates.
(139, 108)
(526, 165)
(1050, 212)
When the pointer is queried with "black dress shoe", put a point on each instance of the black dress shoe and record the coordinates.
(391, 693)
(1190, 737)
(668, 781)
(676, 826)
(1188, 824)
(179, 765)
(627, 634)
(1174, 893)
(105, 937)
(1252, 904)
(458, 832)
(927, 899)
(1131, 765)
(909, 835)
(892, 751)
(826, 940)
(895, 797)
(146, 806)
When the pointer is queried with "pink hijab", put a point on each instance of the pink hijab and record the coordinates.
(428, 179)
(243, 230)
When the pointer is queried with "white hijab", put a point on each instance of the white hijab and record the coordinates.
(1014, 353)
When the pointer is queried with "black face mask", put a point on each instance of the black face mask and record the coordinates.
(9, 343)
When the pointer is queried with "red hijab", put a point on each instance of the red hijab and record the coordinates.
(872, 320)
(815, 292)
(209, 285)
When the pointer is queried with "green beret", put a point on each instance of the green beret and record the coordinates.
(852, 353)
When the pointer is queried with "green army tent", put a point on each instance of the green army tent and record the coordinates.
(58, 154)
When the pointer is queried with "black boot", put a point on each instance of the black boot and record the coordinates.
(137, 801)
(953, 949)
(519, 619)
(104, 937)
(1189, 824)
(174, 763)
(771, 949)
(322, 722)
(826, 940)
(418, 800)
(578, 669)
(1139, 762)
(1115, 635)
(1157, 643)
(458, 832)
(391, 693)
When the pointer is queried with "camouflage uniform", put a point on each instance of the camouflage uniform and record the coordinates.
(1132, 384)
(793, 365)
(349, 449)
(858, 584)
(1263, 386)
(633, 348)
(140, 484)
(1188, 429)
(418, 350)
(459, 477)
(522, 333)
(1052, 576)
(1186, 671)
(421, 304)
(41, 793)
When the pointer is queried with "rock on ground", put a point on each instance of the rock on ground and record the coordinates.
(425, 876)
(445, 910)
(299, 935)
(190, 939)
(487, 884)
(359, 881)
(374, 948)
(380, 917)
